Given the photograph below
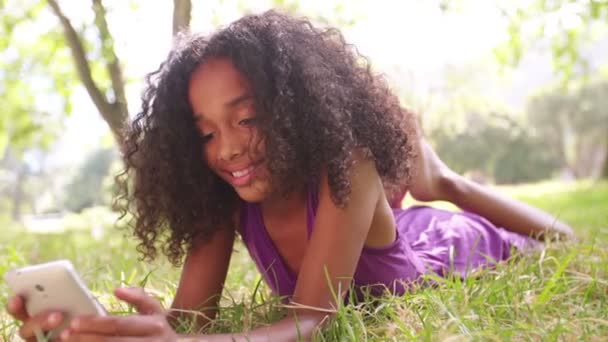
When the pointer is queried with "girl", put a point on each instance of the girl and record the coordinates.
(277, 131)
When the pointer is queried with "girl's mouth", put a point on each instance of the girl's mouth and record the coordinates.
(244, 176)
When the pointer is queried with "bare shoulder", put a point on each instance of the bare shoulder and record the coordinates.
(364, 174)
(339, 235)
(365, 182)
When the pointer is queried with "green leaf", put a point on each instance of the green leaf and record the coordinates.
(596, 9)
(3, 143)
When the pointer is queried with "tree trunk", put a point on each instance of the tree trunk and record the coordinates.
(181, 15)
(18, 192)
(605, 168)
(113, 110)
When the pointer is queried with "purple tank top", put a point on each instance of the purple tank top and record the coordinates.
(428, 240)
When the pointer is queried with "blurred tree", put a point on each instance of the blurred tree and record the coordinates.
(28, 98)
(181, 15)
(496, 146)
(565, 27)
(23, 183)
(40, 64)
(12, 183)
(568, 28)
(476, 133)
(110, 100)
(94, 61)
(43, 57)
(86, 188)
(574, 124)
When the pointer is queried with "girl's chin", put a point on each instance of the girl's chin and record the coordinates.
(251, 194)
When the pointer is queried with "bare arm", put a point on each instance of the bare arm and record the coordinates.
(433, 180)
(507, 212)
(335, 245)
(327, 268)
(202, 279)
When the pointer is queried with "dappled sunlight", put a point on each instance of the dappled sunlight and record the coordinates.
(510, 94)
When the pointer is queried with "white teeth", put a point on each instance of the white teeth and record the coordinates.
(242, 172)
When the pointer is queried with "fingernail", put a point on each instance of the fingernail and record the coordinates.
(65, 335)
(54, 318)
(75, 324)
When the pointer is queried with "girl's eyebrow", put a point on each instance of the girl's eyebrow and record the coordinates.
(238, 100)
(230, 104)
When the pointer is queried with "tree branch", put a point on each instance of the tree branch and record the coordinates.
(105, 108)
(112, 64)
(80, 59)
(181, 15)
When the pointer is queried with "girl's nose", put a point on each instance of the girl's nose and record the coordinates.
(231, 148)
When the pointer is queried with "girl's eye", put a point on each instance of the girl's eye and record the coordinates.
(248, 121)
(206, 137)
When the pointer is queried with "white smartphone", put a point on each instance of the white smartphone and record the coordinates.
(53, 286)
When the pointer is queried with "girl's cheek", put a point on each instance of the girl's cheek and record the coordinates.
(260, 146)
(207, 156)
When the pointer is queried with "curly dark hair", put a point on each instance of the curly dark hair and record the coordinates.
(317, 100)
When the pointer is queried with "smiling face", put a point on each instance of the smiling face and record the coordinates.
(224, 110)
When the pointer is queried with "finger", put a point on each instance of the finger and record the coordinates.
(16, 308)
(40, 323)
(143, 302)
(100, 338)
(119, 326)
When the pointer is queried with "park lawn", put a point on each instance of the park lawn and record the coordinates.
(560, 292)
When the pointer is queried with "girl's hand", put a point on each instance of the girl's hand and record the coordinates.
(38, 324)
(150, 325)
(119, 329)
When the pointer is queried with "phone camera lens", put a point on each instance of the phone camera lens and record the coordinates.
(39, 287)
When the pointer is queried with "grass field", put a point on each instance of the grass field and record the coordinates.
(559, 293)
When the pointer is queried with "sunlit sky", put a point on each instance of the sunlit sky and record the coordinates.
(411, 36)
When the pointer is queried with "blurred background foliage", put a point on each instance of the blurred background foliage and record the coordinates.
(66, 65)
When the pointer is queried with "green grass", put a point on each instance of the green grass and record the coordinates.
(560, 293)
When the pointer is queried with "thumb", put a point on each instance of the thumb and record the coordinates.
(16, 308)
(143, 302)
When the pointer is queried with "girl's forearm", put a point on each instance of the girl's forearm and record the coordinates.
(506, 212)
